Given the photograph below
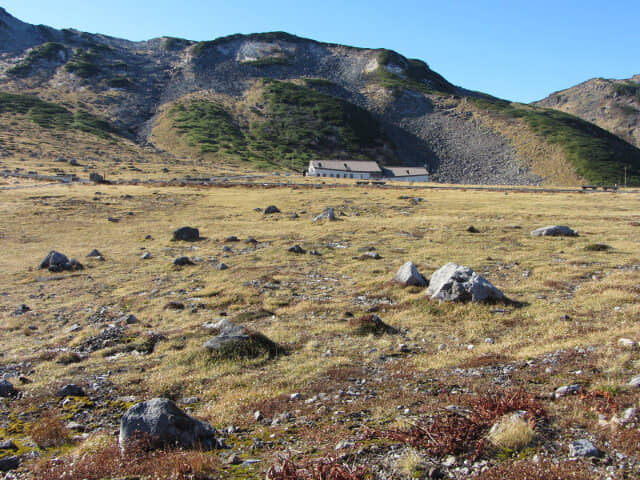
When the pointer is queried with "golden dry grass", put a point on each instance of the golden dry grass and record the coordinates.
(554, 277)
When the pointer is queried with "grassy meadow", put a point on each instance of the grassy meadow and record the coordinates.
(576, 302)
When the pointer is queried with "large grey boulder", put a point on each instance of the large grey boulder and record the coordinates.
(458, 283)
(236, 341)
(409, 275)
(158, 423)
(57, 262)
(328, 214)
(554, 231)
(187, 234)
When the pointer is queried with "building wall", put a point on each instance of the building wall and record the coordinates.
(415, 178)
(321, 172)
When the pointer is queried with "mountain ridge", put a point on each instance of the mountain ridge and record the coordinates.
(462, 136)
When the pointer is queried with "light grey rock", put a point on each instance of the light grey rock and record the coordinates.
(8, 445)
(627, 343)
(584, 448)
(554, 231)
(145, 256)
(454, 282)
(328, 214)
(408, 274)
(161, 423)
(634, 382)
(567, 390)
(222, 266)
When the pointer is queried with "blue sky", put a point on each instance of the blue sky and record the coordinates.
(518, 50)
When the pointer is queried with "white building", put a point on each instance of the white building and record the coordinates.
(406, 174)
(358, 169)
(365, 170)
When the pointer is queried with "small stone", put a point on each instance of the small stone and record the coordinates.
(296, 249)
(257, 415)
(629, 415)
(626, 343)
(74, 328)
(182, 261)
(554, 231)
(344, 444)
(567, 390)
(472, 229)
(315, 252)
(408, 274)
(227, 248)
(6, 389)
(9, 463)
(442, 346)
(187, 234)
(130, 319)
(8, 445)
(295, 396)
(145, 256)
(174, 305)
(450, 461)
(328, 214)
(222, 266)
(233, 459)
(232, 238)
(294, 216)
(21, 310)
(634, 382)
(71, 390)
(583, 448)
(113, 219)
(489, 340)
(95, 254)
(189, 400)
(271, 209)
(75, 426)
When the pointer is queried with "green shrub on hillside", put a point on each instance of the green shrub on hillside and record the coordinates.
(627, 89)
(266, 62)
(596, 154)
(53, 115)
(83, 64)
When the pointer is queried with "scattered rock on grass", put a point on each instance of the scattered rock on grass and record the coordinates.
(222, 266)
(236, 341)
(584, 448)
(21, 310)
(369, 256)
(8, 445)
(9, 463)
(182, 261)
(554, 231)
(371, 325)
(634, 382)
(71, 390)
(296, 249)
(187, 234)
(473, 229)
(408, 274)
(162, 424)
(6, 389)
(57, 262)
(145, 256)
(567, 390)
(627, 343)
(271, 209)
(328, 214)
(457, 283)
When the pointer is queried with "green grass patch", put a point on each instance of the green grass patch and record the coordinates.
(201, 48)
(627, 89)
(173, 44)
(119, 82)
(596, 154)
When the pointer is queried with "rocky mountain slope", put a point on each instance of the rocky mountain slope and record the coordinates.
(275, 99)
(611, 104)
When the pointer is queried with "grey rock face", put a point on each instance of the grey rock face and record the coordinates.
(584, 448)
(6, 389)
(457, 283)
(187, 234)
(328, 214)
(409, 275)
(554, 231)
(271, 209)
(162, 424)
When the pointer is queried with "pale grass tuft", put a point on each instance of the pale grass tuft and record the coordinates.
(410, 464)
(512, 432)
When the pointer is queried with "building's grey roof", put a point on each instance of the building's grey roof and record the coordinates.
(347, 165)
(406, 171)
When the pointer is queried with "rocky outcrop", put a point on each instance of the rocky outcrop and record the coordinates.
(408, 274)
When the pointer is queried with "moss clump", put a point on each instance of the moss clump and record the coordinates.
(597, 247)
(596, 154)
(119, 82)
(173, 43)
(371, 325)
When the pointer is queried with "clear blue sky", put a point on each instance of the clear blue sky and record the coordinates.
(513, 49)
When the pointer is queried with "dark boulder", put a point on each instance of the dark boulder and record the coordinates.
(187, 234)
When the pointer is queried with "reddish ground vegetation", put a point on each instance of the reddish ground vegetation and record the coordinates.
(323, 469)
